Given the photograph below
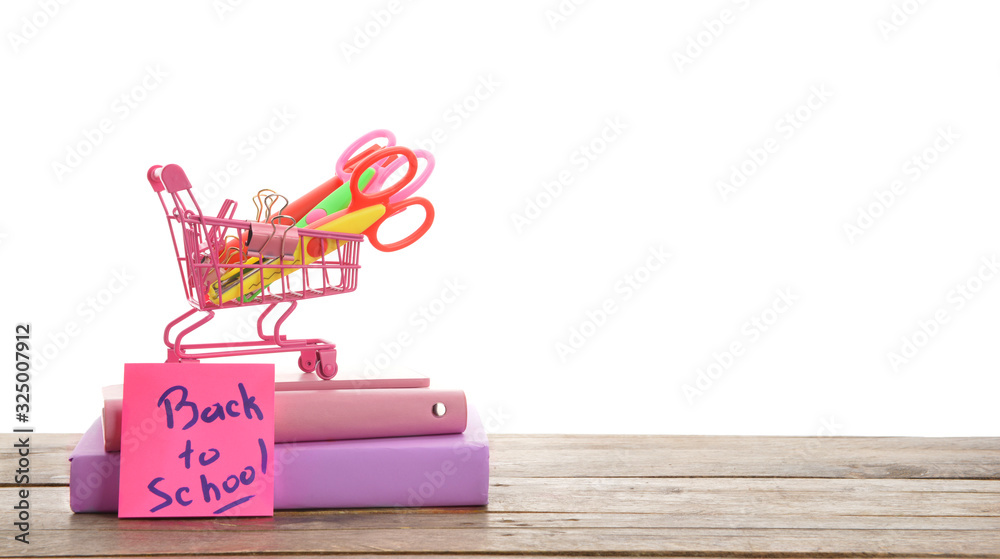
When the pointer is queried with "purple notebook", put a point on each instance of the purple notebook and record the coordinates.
(428, 471)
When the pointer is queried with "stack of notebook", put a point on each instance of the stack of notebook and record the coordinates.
(338, 443)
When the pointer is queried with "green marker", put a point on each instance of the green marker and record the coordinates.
(338, 199)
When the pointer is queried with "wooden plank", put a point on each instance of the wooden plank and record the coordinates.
(524, 540)
(685, 456)
(548, 556)
(461, 520)
(644, 502)
(669, 456)
(49, 457)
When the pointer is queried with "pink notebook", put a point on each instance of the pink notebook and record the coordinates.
(308, 409)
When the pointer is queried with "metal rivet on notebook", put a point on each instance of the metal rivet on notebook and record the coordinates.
(438, 409)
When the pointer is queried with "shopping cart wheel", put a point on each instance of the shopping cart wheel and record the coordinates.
(326, 367)
(308, 361)
(326, 371)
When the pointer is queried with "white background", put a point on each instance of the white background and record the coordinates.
(824, 365)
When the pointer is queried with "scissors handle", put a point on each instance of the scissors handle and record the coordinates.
(391, 166)
(393, 209)
(360, 199)
(351, 152)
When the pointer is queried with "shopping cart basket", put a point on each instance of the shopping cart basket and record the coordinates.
(220, 270)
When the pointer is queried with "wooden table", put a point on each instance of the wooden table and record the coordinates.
(599, 495)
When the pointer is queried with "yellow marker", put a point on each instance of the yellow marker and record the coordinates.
(353, 223)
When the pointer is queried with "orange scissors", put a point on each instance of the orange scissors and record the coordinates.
(387, 198)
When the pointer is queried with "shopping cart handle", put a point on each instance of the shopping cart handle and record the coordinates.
(174, 179)
(153, 176)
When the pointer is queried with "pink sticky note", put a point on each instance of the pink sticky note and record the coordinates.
(197, 440)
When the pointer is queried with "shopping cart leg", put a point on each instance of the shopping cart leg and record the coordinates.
(276, 337)
(172, 357)
(175, 353)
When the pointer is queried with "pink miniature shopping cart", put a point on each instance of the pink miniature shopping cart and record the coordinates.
(218, 269)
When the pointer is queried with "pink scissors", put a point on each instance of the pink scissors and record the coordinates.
(386, 166)
(390, 198)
